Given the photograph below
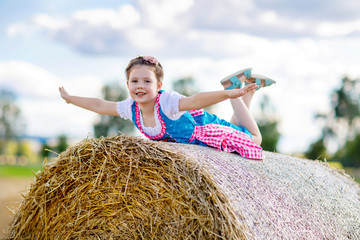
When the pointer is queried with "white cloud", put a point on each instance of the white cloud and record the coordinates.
(49, 23)
(45, 113)
(96, 31)
(27, 80)
(144, 39)
(164, 14)
(15, 29)
(268, 18)
(186, 27)
(334, 29)
(55, 117)
(125, 17)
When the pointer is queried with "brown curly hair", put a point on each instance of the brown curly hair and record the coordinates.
(146, 60)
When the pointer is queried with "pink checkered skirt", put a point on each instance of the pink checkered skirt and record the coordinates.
(228, 139)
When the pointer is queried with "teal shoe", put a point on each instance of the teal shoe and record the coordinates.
(256, 78)
(235, 78)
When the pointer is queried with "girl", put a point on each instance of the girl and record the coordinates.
(168, 116)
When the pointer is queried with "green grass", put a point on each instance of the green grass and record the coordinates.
(19, 171)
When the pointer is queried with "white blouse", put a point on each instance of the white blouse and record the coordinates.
(169, 103)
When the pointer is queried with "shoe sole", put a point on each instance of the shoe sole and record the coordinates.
(234, 74)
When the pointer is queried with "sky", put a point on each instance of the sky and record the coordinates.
(307, 46)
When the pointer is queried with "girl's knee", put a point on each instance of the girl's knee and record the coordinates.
(257, 139)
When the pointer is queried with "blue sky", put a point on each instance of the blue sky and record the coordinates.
(306, 46)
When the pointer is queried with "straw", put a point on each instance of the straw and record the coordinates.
(131, 188)
(122, 188)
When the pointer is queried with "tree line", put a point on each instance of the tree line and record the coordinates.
(340, 136)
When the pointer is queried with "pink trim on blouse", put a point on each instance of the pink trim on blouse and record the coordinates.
(162, 123)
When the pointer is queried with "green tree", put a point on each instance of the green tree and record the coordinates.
(62, 143)
(185, 86)
(111, 125)
(11, 123)
(317, 150)
(268, 125)
(48, 151)
(345, 102)
(44, 151)
(340, 129)
(349, 155)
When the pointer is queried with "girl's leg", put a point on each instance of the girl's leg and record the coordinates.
(243, 117)
(247, 100)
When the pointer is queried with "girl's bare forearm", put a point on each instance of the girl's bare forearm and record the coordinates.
(205, 99)
(202, 100)
(95, 105)
(92, 104)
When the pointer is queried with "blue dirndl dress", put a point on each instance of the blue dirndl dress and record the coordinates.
(201, 128)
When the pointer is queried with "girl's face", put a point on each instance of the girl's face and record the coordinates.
(143, 85)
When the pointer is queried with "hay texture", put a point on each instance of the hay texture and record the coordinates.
(130, 188)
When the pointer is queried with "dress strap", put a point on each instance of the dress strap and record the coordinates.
(162, 123)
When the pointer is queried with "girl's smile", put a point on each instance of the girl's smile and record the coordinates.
(143, 85)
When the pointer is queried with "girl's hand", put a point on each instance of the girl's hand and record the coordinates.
(64, 94)
(235, 93)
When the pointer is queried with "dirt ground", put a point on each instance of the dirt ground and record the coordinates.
(10, 197)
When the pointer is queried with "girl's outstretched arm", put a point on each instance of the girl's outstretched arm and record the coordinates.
(205, 99)
(93, 104)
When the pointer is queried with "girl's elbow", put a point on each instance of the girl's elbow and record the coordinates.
(186, 104)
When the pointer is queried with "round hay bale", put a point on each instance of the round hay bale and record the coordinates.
(130, 188)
